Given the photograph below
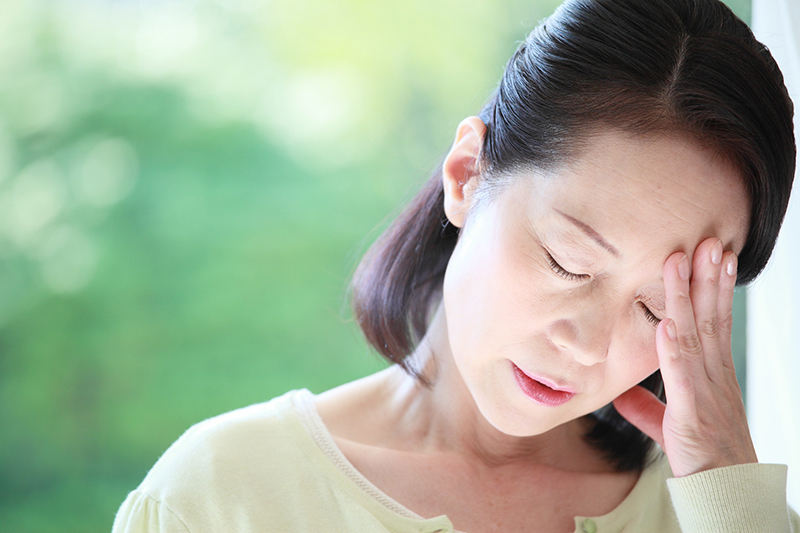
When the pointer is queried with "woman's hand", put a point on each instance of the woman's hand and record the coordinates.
(703, 425)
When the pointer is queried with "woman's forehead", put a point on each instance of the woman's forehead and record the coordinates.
(665, 189)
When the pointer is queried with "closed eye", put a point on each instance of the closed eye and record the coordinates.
(564, 273)
(648, 314)
(572, 276)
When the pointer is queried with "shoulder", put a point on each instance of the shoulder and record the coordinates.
(232, 464)
(270, 467)
(224, 444)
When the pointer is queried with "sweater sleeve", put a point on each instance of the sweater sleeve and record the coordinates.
(736, 499)
(141, 513)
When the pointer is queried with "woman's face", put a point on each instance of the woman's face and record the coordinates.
(559, 278)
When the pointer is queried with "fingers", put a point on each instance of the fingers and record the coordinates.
(678, 370)
(705, 296)
(701, 305)
(644, 410)
(677, 272)
(703, 423)
(727, 284)
(704, 289)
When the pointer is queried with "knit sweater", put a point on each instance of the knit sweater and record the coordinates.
(274, 467)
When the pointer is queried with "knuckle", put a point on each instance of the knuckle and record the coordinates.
(707, 327)
(690, 344)
(726, 324)
(682, 298)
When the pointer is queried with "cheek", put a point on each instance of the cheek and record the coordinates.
(637, 358)
(491, 284)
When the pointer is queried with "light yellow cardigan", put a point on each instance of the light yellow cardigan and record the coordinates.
(273, 467)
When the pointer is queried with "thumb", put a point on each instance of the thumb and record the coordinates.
(644, 410)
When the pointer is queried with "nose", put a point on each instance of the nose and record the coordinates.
(586, 338)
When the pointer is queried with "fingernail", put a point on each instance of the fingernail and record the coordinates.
(672, 333)
(731, 268)
(716, 253)
(683, 268)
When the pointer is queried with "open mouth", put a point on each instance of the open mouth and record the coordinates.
(539, 392)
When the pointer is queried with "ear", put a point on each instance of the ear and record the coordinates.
(459, 170)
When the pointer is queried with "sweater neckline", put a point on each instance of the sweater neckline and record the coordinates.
(615, 520)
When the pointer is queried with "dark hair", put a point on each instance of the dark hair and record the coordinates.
(656, 66)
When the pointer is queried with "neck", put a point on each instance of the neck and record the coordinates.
(443, 417)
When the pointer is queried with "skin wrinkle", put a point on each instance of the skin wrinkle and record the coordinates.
(658, 197)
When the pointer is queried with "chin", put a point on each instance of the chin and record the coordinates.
(516, 423)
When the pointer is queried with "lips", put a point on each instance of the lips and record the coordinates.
(541, 390)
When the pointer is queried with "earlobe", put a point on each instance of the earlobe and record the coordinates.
(460, 167)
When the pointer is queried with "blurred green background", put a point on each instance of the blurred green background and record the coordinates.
(185, 188)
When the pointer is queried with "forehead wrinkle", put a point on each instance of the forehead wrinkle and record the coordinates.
(683, 218)
(719, 189)
(679, 195)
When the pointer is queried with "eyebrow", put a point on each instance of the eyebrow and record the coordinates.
(591, 233)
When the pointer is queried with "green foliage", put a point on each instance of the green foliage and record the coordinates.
(185, 187)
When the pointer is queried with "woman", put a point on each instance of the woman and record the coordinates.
(569, 267)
